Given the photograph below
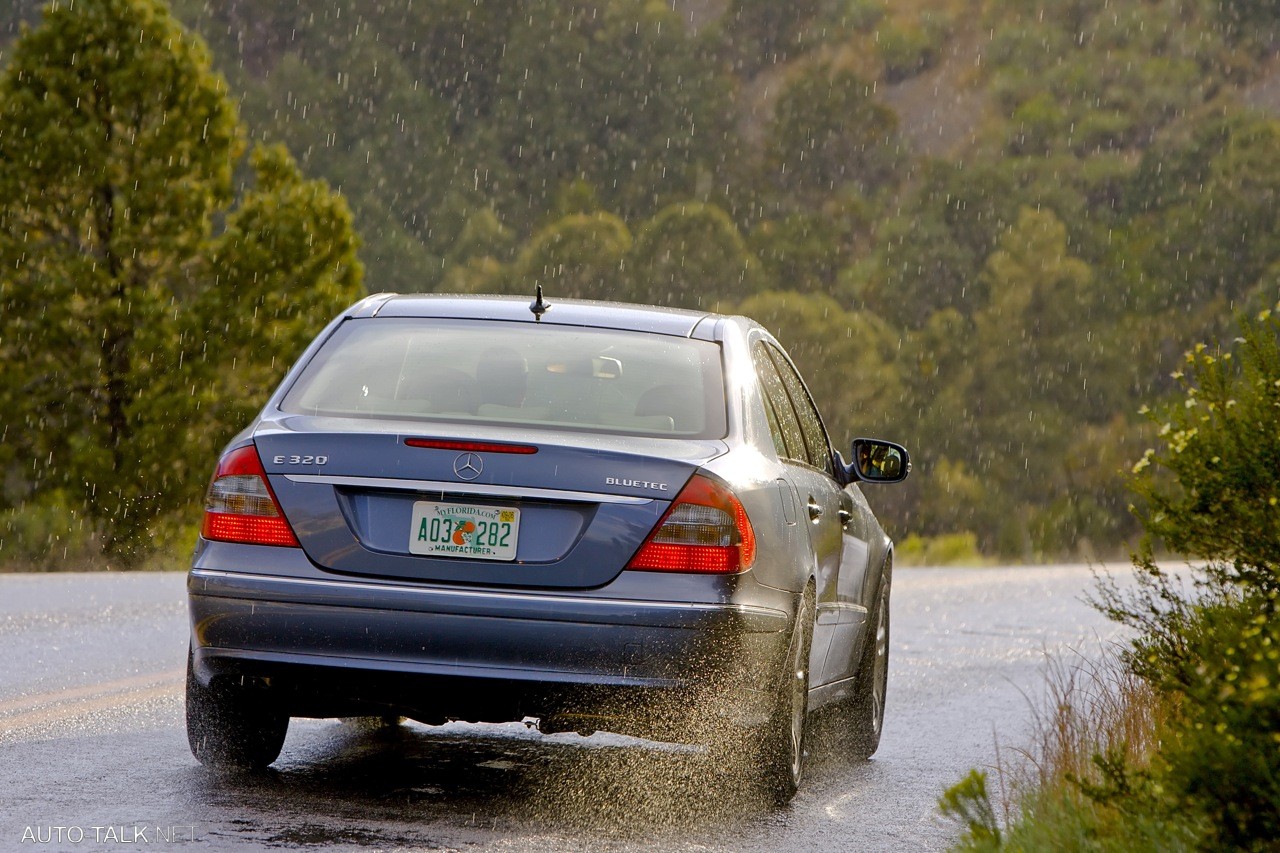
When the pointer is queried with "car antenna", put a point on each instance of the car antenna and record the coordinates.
(538, 306)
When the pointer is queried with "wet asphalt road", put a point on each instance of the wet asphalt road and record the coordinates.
(93, 749)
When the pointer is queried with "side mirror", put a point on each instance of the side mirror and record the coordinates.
(876, 461)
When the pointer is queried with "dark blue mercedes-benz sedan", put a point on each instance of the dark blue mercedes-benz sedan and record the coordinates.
(601, 516)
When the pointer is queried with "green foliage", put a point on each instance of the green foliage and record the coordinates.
(47, 535)
(1223, 753)
(972, 384)
(581, 255)
(1089, 76)
(484, 236)
(1037, 124)
(1214, 217)
(641, 129)
(836, 18)
(928, 259)
(1252, 22)
(283, 264)
(689, 255)
(1212, 491)
(829, 134)
(950, 549)
(117, 145)
(1087, 779)
(1213, 488)
(968, 803)
(463, 108)
(912, 47)
(1116, 819)
(803, 251)
(762, 33)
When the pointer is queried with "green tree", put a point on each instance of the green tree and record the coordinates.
(1221, 230)
(1032, 363)
(918, 269)
(117, 148)
(991, 393)
(828, 134)
(929, 255)
(379, 136)
(617, 96)
(689, 254)
(283, 264)
(582, 256)
(1112, 74)
(804, 251)
(763, 33)
(1251, 21)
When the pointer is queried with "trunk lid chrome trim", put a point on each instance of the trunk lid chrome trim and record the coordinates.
(467, 488)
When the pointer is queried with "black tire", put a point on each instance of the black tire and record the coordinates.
(867, 707)
(782, 750)
(232, 729)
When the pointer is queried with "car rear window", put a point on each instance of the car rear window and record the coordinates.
(538, 376)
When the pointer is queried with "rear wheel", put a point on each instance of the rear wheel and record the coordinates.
(867, 707)
(783, 747)
(232, 728)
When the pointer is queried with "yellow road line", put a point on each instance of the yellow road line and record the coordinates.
(74, 702)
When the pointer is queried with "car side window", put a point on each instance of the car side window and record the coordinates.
(783, 423)
(775, 427)
(815, 435)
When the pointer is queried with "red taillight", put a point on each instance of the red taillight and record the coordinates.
(706, 530)
(240, 506)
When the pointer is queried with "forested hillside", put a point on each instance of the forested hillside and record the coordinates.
(986, 228)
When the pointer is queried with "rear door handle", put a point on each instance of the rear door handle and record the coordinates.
(815, 509)
(845, 516)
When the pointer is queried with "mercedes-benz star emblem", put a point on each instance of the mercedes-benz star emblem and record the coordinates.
(468, 466)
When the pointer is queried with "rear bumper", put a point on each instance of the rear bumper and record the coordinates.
(335, 647)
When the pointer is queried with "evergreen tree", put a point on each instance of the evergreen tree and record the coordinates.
(828, 134)
(689, 255)
(117, 150)
(582, 255)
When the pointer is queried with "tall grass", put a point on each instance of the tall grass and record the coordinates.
(1090, 706)
(1081, 781)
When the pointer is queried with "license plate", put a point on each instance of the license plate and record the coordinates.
(464, 530)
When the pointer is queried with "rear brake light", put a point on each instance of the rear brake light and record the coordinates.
(471, 446)
(240, 506)
(706, 530)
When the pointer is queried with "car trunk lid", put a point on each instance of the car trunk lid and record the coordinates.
(499, 506)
